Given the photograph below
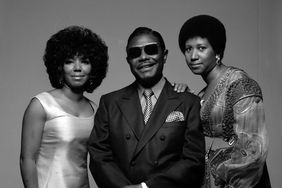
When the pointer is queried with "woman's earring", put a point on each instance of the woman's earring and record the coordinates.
(218, 62)
(61, 82)
(91, 82)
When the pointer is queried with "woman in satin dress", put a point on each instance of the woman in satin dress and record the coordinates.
(57, 123)
(232, 111)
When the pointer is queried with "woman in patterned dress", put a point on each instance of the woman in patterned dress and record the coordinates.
(232, 111)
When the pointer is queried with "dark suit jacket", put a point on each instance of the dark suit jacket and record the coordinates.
(124, 151)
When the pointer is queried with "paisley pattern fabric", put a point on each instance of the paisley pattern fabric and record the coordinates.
(234, 125)
(62, 157)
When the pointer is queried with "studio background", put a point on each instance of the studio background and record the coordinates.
(254, 43)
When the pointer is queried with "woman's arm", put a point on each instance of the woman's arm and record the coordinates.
(244, 169)
(32, 127)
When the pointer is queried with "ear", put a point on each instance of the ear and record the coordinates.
(165, 55)
(127, 59)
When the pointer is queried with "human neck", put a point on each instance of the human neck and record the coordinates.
(72, 95)
(214, 74)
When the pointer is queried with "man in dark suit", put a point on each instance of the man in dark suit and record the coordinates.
(152, 140)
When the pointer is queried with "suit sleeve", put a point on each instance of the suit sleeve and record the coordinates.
(105, 171)
(188, 171)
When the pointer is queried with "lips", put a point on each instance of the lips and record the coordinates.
(77, 76)
(145, 66)
(194, 64)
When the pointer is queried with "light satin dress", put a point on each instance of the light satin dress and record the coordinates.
(62, 157)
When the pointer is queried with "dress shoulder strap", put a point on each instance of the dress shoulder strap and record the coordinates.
(50, 105)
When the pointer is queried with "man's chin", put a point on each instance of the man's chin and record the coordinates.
(148, 82)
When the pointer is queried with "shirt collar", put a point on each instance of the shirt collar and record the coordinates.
(157, 88)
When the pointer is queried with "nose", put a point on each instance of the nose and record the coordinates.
(194, 55)
(143, 55)
(77, 65)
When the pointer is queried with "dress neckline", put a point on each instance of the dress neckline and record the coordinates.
(216, 87)
(69, 114)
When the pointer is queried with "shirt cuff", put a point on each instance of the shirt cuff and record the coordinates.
(143, 185)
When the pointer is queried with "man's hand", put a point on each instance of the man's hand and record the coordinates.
(181, 87)
(133, 186)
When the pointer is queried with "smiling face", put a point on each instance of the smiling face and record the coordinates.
(76, 72)
(200, 56)
(146, 59)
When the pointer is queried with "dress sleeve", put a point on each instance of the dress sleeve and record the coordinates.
(245, 166)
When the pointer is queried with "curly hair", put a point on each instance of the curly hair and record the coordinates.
(70, 42)
(204, 26)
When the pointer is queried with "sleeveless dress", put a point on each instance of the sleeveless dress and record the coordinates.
(62, 157)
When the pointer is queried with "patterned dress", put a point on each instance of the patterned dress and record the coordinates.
(236, 138)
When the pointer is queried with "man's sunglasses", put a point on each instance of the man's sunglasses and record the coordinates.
(149, 49)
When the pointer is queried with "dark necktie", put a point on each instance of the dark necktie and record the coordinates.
(148, 93)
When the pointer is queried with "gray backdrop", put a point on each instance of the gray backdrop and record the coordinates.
(253, 43)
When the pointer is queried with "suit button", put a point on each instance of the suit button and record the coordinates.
(132, 163)
(162, 137)
(127, 136)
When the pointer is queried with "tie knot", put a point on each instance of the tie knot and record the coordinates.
(148, 93)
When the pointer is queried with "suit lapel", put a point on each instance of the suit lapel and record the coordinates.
(167, 102)
(131, 109)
